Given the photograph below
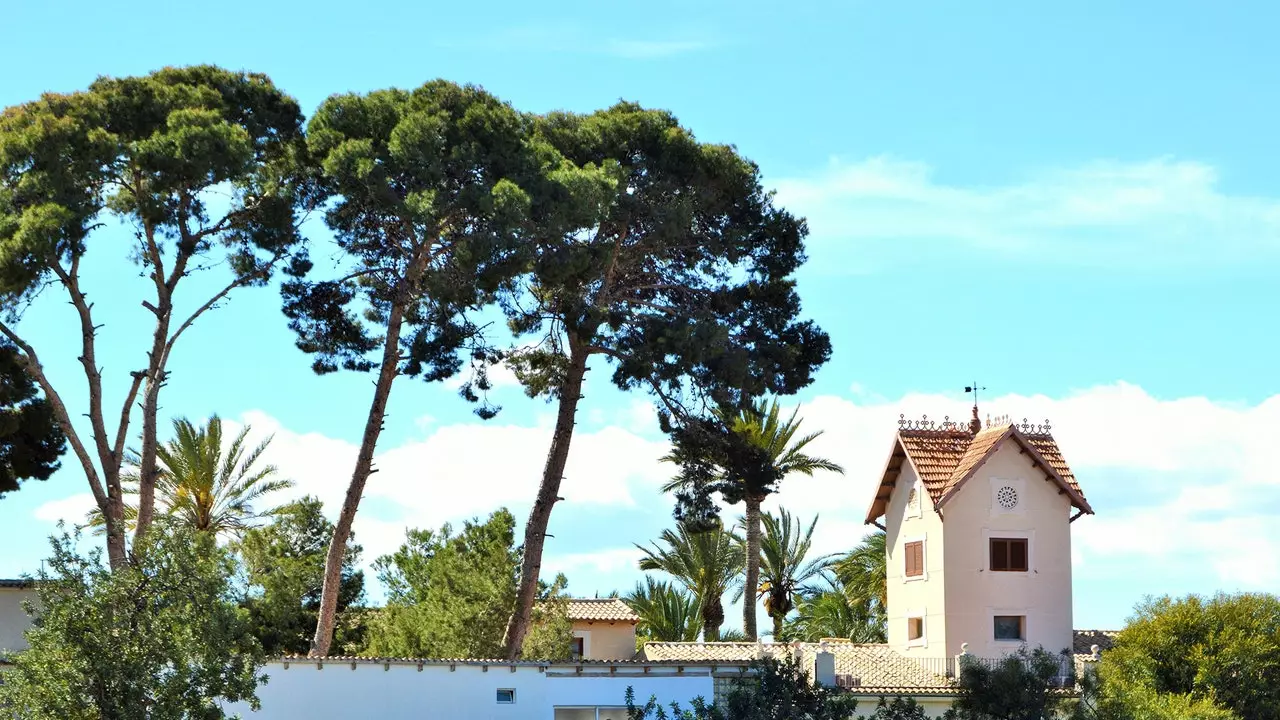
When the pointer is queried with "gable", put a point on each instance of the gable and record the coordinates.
(946, 457)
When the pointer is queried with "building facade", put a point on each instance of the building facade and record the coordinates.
(977, 524)
(603, 629)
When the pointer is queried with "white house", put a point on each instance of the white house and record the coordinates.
(603, 629)
(978, 538)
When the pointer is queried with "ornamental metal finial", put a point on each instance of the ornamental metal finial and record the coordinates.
(975, 425)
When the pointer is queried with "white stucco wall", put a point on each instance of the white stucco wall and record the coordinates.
(935, 706)
(603, 640)
(467, 692)
(13, 618)
(974, 594)
(909, 597)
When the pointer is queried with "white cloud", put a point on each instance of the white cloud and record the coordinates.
(71, 510)
(460, 471)
(606, 561)
(1162, 212)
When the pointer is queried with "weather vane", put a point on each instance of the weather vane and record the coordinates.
(976, 424)
(974, 389)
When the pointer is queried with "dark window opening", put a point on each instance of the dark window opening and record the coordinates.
(1009, 554)
(1010, 627)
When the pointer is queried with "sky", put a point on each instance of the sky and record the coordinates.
(1075, 205)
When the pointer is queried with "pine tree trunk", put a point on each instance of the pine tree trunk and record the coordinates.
(753, 568)
(535, 530)
(148, 469)
(113, 515)
(364, 465)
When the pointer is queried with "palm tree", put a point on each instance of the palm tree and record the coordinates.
(863, 575)
(784, 568)
(747, 453)
(828, 612)
(707, 564)
(667, 613)
(202, 486)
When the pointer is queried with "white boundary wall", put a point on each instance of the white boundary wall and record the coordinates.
(404, 689)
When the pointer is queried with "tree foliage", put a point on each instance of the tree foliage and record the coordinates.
(667, 613)
(284, 570)
(708, 564)
(742, 455)
(1194, 653)
(160, 638)
(203, 485)
(863, 575)
(449, 595)
(202, 164)
(672, 265)
(1023, 685)
(31, 442)
(787, 573)
(831, 610)
(429, 213)
(774, 690)
(897, 708)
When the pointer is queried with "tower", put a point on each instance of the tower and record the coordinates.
(977, 525)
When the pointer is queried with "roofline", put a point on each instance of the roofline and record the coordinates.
(1012, 431)
(444, 662)
(897, 445)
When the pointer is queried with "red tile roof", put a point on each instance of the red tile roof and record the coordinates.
(602, 609)
(946, 455)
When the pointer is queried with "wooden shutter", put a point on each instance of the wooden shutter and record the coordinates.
(914, 552)
(1018, 555)
(999, 554)
(1009, 554)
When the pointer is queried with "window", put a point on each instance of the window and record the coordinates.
(913, 503)
(914, 553)
(915, 628)
(577, 650)
(1009, 554)
(1010, 627)
(506, 696)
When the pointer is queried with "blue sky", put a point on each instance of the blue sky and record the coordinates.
(1077, 205)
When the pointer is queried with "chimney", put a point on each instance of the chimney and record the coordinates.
(824, 669)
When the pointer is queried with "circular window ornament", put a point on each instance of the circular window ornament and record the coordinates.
(1007, 497)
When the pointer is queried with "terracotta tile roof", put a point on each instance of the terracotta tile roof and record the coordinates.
(946, 455)
(864, 666)
(1084, 640)
(602, 609)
